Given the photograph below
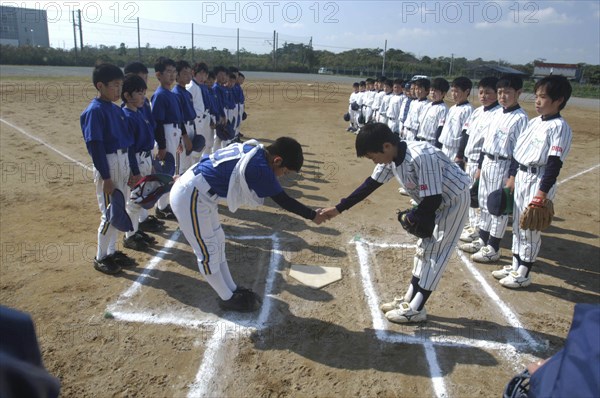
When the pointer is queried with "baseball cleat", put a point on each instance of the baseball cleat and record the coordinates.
(486, 254)
(515, 281)
(151, 224)
(242, 301)
(402, 191)
(405, 314)
(392, 305)
(503, 272)
(165, 214)
(107, 265)
(147, 238)
(135, 242)
(469, 234)
(122, 259)
(472, 247)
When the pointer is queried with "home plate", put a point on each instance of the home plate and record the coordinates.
(315, 276)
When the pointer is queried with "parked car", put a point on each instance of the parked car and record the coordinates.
(416, 77)
(325, 71)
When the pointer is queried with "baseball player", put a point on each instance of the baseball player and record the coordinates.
(379, 93)
(140, 153)
(457, 116)
(242, 105)
(223, 100)
(168, 115)
(182, 79)
(493, 164)
(409, 96)
(353, 108)
(360, 100)
(201, 100)
(368, 98)
(474, 131)
(439, 187)
(393, 109)
(539, 154)
(434, 113)
(385, 101)
(147, 223)
(244, 174)
(108, 141)
(411, 123)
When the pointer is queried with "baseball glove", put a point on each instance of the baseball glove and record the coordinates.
(419, 226)
(538, 215)
(347, 117)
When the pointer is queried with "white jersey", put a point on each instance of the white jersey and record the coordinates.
(432, 118)
(543, 138)
(377, 99)
(477, 127)
(360, 98)
(425, 171)
(353, 97)
(504, 130)
(455, 120)
(404, 108)
(197, 99)
(369, 97)
(385, 101)
(414, 114)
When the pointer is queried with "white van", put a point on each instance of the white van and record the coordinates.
(325, 71)
(416, 77)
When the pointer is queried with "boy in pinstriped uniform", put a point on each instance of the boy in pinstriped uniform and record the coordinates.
(494, 162)
(457, 116)
(439, 187)
(538, 157)
(434, 113)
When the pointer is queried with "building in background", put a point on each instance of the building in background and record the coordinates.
(570, 71)
(23, 27)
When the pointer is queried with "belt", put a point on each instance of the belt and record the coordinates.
(529, 169)
(120, 150)
(495, 157)
(145, 154)
(211, 192)
(420, 139)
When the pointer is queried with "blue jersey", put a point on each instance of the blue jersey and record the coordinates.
(166, 107)
(141, 128)
(148, 112)
(259, 175)
(224, 97)
(186, 101)
(216, 109)
(237, 94)
(103, 121)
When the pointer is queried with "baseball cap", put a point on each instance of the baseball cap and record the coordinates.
(165, 166)
(116, 213)
(500, 202)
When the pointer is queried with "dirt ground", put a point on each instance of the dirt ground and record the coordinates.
(312, 342)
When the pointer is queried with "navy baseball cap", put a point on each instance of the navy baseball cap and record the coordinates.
(500, 202)
(116, 213)
(150, 188)
(407, 86)
(165, 166)
(198, 143)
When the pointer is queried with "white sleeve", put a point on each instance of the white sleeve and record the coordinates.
(383, 173)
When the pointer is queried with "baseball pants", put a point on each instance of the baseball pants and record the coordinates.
(136, 212)
(186, 161)
(471, 170)
(494, 174)
(172, 138)
(451, 152)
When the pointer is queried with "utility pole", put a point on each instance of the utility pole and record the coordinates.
(80, 32)
(274, 34)
(238, 48)
(384, 51)
(75, 37)
(192, 43)
(139, 43)
(451, 64)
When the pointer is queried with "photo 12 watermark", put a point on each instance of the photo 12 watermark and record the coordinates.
(469, 11)
(290, 12)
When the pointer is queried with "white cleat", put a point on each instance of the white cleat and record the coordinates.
(503, 272)
(515, 281)
(469, 234)
(472, 247)
(405, 314)
(402, 191)
(486, 254)
(392, 305)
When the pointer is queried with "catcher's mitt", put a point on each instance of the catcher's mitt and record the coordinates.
(538, 215)
(419, 226)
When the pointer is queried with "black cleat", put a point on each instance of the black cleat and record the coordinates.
(147, 238)
(107, 265)
(152, 224)
(122, 259)
(165, 214)
(135, 242)
(244, 301)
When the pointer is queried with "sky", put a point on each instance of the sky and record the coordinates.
(514, 31)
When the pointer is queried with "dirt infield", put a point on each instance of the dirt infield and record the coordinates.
(156, 330)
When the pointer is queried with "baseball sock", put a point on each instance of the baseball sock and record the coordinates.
(412, 289)
(516, 261)
(219, 285)
(484, 236)
(524, 268)
(227, 276)
(494, 242)
(418, 302)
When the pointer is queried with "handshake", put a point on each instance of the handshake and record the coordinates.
(324, 215)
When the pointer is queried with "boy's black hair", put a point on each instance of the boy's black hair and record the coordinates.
(371, 138)
(462, 82)
(290, 151)
(131, 84)
(369, 81)
(355, 84)
(219, 68)
(240, 74)
(211, 75)
(200, 67)
(161, 64)
(399, 82)
(135, 67)
(362, 83)
(488, 82)
(181, 65)
(557, 86)
(106, 73)
(439, 83)
(232, 75)
(510, 81)
(381, 79)
(233, 69)
(388, 82)
(423, 83)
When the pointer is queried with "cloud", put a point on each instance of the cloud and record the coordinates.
(527, 17)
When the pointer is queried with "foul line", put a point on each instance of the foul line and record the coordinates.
(578, 174)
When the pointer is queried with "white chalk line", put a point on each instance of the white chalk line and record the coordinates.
(39, 140)
(578, 174)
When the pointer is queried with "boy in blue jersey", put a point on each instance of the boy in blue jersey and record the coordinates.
(147, 222)
(202, 105)
(184, 77)
(170, 130)
(140, 154)
(108, 141)
(240, 82)
(223, 101)
(244, 174)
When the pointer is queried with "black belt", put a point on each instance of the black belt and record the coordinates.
(530, 169)
(145, 154)
(121, 151)
(420, 139)
(211, 192)
(494, 157)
